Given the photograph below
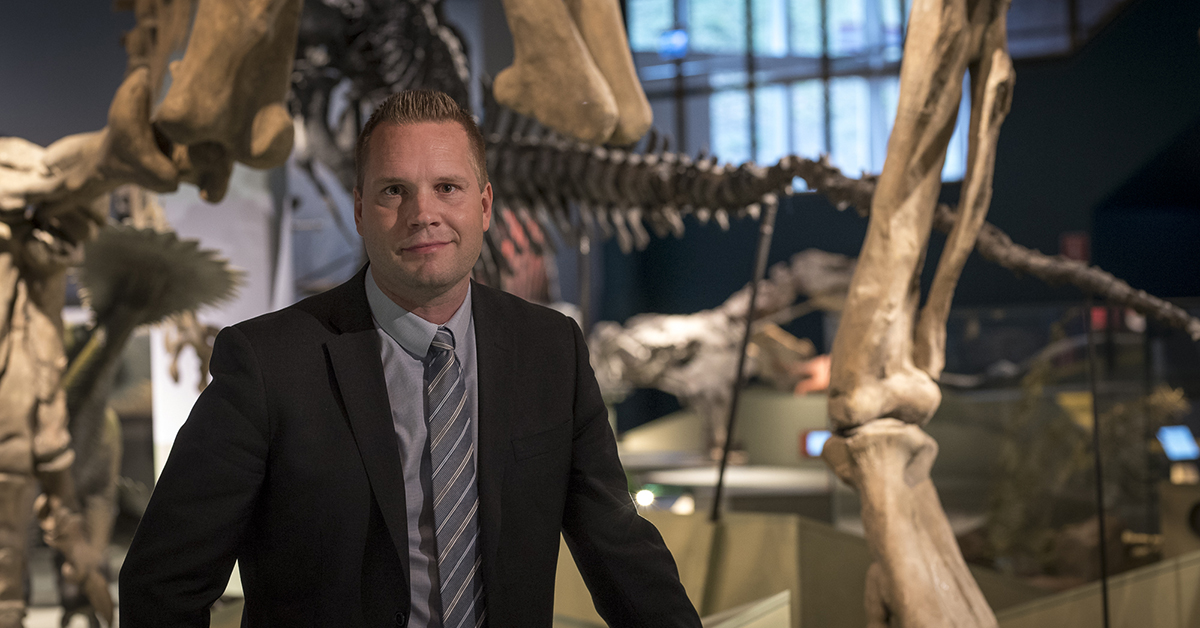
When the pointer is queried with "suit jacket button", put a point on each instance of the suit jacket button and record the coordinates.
(401, 619)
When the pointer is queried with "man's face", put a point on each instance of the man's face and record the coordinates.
(420, 211)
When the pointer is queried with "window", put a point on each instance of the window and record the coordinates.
(760, 79)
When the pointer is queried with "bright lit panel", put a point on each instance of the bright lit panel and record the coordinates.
(814, 442)
(1178, 442)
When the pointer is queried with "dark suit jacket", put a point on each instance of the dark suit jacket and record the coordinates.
(289, 464)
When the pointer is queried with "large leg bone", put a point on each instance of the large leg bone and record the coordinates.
(879, 374)
(874, 373)
(553, 77)
(992, 81)
(603, 30)
(230, 85)
(919, 577)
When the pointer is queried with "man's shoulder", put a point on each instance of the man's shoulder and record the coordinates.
(514, 311)
(313, 319)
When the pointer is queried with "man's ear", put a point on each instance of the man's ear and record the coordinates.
(487, 205)
(358, 210)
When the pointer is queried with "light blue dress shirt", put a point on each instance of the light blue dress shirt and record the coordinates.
(404, 341)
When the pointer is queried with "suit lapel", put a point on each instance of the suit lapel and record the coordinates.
(493, 352)
(358, 370)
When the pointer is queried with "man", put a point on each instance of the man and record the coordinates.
(405, 448)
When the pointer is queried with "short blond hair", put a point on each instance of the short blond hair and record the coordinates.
(416, 106)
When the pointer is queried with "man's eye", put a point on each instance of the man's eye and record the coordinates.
(391, 190)
(447, 187)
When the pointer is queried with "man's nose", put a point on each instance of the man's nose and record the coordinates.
(422, 210)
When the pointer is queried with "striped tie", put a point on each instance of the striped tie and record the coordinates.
(455, 501)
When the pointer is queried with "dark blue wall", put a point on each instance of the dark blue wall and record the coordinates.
(60, 64)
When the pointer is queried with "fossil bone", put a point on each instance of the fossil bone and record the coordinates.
(603, 30)
(553, 77)
(883, 364)
(53, 200)
(73, 171)
(991, 85)
(919, 575)
(228, 89)
(693, 356)
(875, 373)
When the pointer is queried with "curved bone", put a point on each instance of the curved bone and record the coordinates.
(603, 30)
(553, 77)
(992, 81)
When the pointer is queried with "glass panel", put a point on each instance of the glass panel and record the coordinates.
(770, 28)
(730, 125)
(723, 80)
(907, 12)
(771, 124)
(647, 20)
(805, 19)
(884, 95)
(956, 153)
(890, 22)
(808, 118)
(847, 27)
(850, 123)
(717, 26)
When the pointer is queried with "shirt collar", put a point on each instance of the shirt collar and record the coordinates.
(410, 331)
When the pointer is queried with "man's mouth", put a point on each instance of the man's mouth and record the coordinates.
(423, 247)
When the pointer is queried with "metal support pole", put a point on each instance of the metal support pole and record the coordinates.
(1100, 510)
(766, 230)
(584, 257)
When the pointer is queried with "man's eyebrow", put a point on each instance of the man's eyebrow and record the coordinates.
(389, 181)
(454, 178)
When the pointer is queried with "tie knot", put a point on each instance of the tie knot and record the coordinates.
(443, 342)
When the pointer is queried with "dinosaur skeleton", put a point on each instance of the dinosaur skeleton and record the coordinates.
(584, 192)
(542, 176)
(224, 104)
(693, 356)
